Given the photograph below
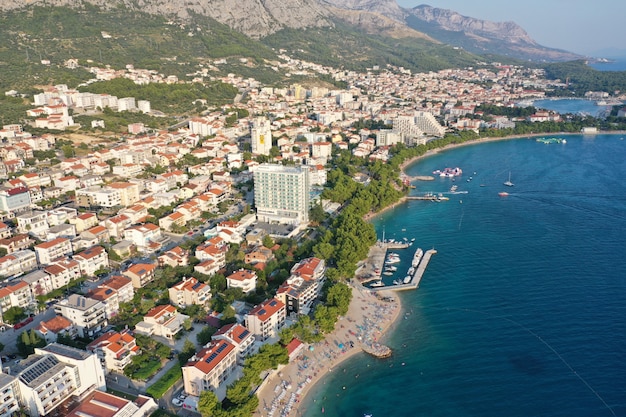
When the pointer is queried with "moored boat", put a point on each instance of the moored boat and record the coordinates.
(377, 284)
(407, 279)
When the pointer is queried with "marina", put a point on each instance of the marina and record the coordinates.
(414, 275)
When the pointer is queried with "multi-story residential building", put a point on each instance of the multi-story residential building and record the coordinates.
(54, 374)
(189, 291)
(239, 336)
(87, 314)
(34, 223)
(115, 350)
(15, 243)
(5, 231)
(49, 251)
(10, 394)
(129, 192)
(140, 274)
(15, 294)
(98, 197)
(116, 225)
(62, 271)
(122, 285)
(244, 279)
(146, 237)
(266, 319)
(17, 263)
(282, 194)
(210, 367)
(92, 259)
(261, 136)
(174, 257)
(14, 200)
(84, 221)
(39, 282)
(163, 321)
(57, 326)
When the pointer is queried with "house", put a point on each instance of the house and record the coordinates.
(240, 337)
(18, 262)
(39, 282)
(35, 223)
(174, 257)
(146, 237)
(207, 267)
(15, 243)
(258, 254)
(189, 291)
(244, 279)
(84, 221)
(48, 251)
(116, 225)
(87, 314)
(266, 319)
(210, 367)
(15, 294)
(91, 260)
(122, 285)
(115, 350)
(163, 321)
(140, 274)
(57, 326)
(62, 271)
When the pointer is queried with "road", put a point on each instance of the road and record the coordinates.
(9, 337)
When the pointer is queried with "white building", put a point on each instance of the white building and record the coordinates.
(266, 319)
(55, 373)
(282, 194)
(88, 315)
(261, 136)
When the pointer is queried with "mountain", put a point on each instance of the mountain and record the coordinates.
(482, 36)
(254, 18)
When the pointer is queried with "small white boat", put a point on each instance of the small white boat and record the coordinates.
(377, 284)
(407, 279)
(388, 273)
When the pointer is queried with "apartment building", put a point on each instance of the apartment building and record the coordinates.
(244, 279)
(189, 291)
(48, 251)
(140, 274)
(282, 194)
(210, 367)
(92, 259)
(115, 350)
(240, 337)
(87, 314)
(162, 321)
(266, 319)
(55, 373)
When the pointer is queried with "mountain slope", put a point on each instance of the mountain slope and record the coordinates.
(481, 36)
(255, 18)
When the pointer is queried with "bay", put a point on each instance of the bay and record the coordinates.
(574, 106)
(521, 311)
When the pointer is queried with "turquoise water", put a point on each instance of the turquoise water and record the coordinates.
(573, 106)
(522, 312)
(617, 64)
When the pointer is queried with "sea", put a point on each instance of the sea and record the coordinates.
(522, 311)
(615, 64)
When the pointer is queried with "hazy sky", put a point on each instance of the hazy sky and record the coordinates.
(582, 26)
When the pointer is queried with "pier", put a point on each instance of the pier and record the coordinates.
(428, 197)
(417, 275)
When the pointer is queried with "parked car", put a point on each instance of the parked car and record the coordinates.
(18, 326)
(177, 402)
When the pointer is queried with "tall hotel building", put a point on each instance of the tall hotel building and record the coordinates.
(261, 136)
(282, 194)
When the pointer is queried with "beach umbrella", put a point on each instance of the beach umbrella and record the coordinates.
(311, 348)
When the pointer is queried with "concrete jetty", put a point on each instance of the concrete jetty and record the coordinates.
(417, 275)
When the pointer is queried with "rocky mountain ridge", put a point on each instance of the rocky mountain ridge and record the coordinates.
(260, 18)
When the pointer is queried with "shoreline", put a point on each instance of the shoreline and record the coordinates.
(293, 382)
(304, 373)
(411, 161)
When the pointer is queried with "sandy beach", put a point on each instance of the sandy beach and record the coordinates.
(369, 317)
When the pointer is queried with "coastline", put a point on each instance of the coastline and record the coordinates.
(296, 379)
(303, 374)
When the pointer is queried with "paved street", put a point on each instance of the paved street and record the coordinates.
(9, 337)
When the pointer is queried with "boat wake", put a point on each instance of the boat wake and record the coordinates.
(542, 340)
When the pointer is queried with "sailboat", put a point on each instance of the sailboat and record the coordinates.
(508, 183)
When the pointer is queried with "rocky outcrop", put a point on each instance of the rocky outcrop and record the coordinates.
(255, 18)
(388, 8)
(453, 21)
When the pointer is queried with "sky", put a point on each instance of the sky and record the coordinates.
(587, 27)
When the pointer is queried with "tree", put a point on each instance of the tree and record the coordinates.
(14, 315)
(204, 336)
(208, 404)
(268, 242)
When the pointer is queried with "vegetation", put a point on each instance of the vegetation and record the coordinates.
(164, 383)
(14, 315)
(582, 78)
(28, 341)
